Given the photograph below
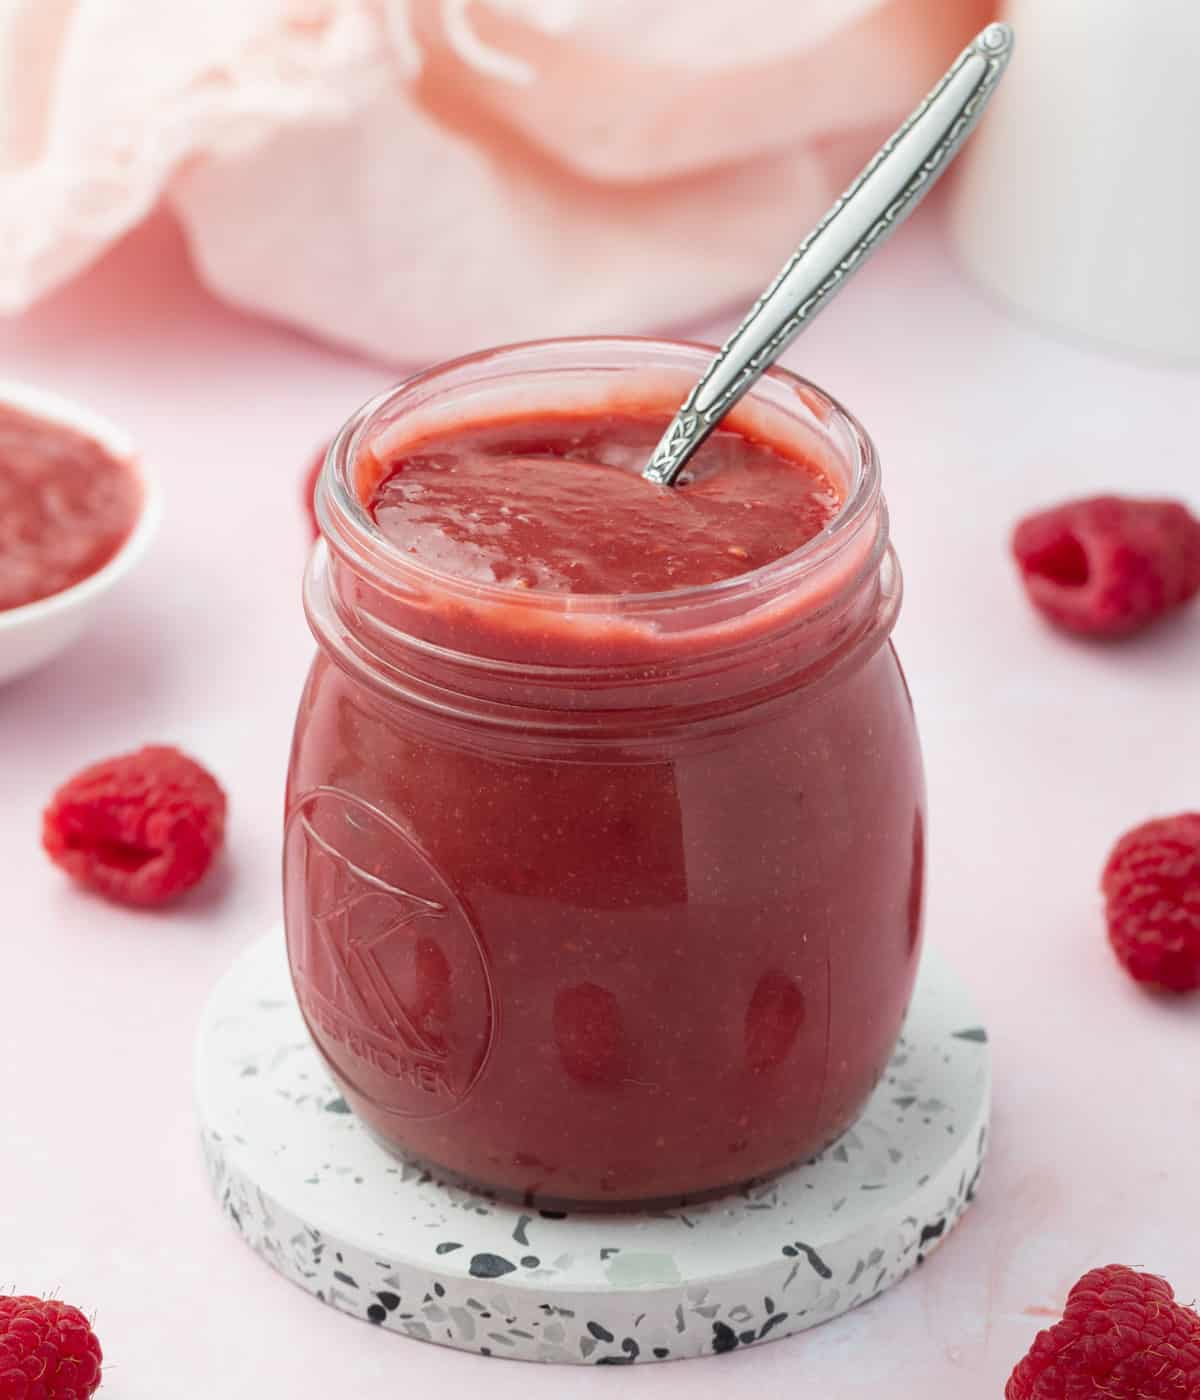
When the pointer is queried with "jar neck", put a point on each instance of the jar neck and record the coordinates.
(677, 690)
(565, 662)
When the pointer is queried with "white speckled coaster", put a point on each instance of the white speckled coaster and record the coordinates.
(333, 1212)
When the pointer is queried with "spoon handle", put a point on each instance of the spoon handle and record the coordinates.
(891, 186)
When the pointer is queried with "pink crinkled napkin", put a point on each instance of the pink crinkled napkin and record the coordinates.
(416, 178)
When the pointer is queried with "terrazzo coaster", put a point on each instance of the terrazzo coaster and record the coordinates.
(384, 1240)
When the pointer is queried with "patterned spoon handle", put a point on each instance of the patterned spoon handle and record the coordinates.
(891, 186)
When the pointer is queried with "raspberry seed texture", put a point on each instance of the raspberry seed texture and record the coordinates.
(139, 829)
(1151, 887)
(1109, 565)
(1122, 1337)
(48, 1351)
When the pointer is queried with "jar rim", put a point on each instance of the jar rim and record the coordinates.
(352, 531)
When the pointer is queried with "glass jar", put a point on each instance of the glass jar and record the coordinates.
(601, 900)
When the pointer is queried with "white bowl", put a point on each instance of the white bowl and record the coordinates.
(35, 632)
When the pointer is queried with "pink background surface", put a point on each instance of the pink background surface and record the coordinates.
(1039, 753)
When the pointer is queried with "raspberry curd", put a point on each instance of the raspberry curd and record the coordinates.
(604, 846)
(67, 505)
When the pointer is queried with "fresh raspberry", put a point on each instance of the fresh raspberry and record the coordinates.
(1151, 887)
(1123, 1337)
(48, 1351)
(139, 829)
(309, 496)
(1110, 565)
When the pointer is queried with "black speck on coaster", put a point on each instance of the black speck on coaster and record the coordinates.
(530, 1261)
(391, 1301)
(490, 1266)
(630, 1347)
(970, 1196)
(447, 1247)
(439, 1290)
(518, 1233)
(553, 1214)
(338, 1105)
(819, 1266)
(601, 1334)
(974, 1033)
(724, 1338)
(376, 1314)
(344, 1278)
(932, 1232)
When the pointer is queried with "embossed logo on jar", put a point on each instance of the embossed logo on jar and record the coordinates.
(388, 966)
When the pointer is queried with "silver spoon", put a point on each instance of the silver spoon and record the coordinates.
(886, 192)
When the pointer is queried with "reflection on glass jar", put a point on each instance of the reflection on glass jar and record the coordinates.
(773, 1020)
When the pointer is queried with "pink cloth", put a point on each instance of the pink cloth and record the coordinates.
(414, 178)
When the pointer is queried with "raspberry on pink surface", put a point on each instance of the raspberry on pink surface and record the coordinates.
(139, 829)
(1122, 1337)
(1151, 887)
(1108, 566)
(48, 1351)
